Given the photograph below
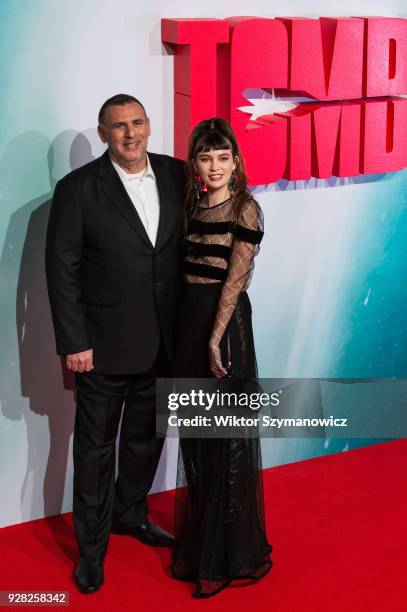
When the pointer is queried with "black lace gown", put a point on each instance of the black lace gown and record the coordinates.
(219, 511)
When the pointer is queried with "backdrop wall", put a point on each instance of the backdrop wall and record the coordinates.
(328, 292)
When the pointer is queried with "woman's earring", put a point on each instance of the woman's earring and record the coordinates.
(198, 185)
(232, 181)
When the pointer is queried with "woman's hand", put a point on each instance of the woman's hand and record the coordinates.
(216, 361)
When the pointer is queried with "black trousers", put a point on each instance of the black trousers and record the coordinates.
(102, 399)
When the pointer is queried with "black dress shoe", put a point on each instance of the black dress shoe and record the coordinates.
(146, 532)
(89, 575)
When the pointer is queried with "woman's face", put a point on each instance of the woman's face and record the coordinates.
(215, 167)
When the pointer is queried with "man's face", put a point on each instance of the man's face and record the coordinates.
(126, 129)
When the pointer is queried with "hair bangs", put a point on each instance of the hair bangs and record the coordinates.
(212, 140)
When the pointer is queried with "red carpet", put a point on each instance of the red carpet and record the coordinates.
(337, 525)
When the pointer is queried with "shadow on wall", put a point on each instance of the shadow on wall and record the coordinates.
(42, 378)
(35, 386)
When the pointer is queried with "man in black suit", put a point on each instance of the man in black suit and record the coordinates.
(113, 272)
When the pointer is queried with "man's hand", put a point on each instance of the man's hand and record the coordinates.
(80, 362)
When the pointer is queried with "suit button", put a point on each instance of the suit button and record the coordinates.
(157, 284)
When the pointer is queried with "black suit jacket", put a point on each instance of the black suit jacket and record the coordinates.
(110, 289)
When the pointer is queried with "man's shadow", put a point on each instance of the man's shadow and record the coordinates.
(43, 378)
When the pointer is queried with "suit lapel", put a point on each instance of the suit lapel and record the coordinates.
(117, 194)
(165, 193)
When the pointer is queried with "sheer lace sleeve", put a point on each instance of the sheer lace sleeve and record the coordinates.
(248, 233)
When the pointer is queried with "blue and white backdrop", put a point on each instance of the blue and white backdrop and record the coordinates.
(329, 293)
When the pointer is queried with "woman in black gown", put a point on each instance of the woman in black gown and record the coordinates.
(220, 532)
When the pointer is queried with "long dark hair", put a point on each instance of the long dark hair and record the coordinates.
(216, 134)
